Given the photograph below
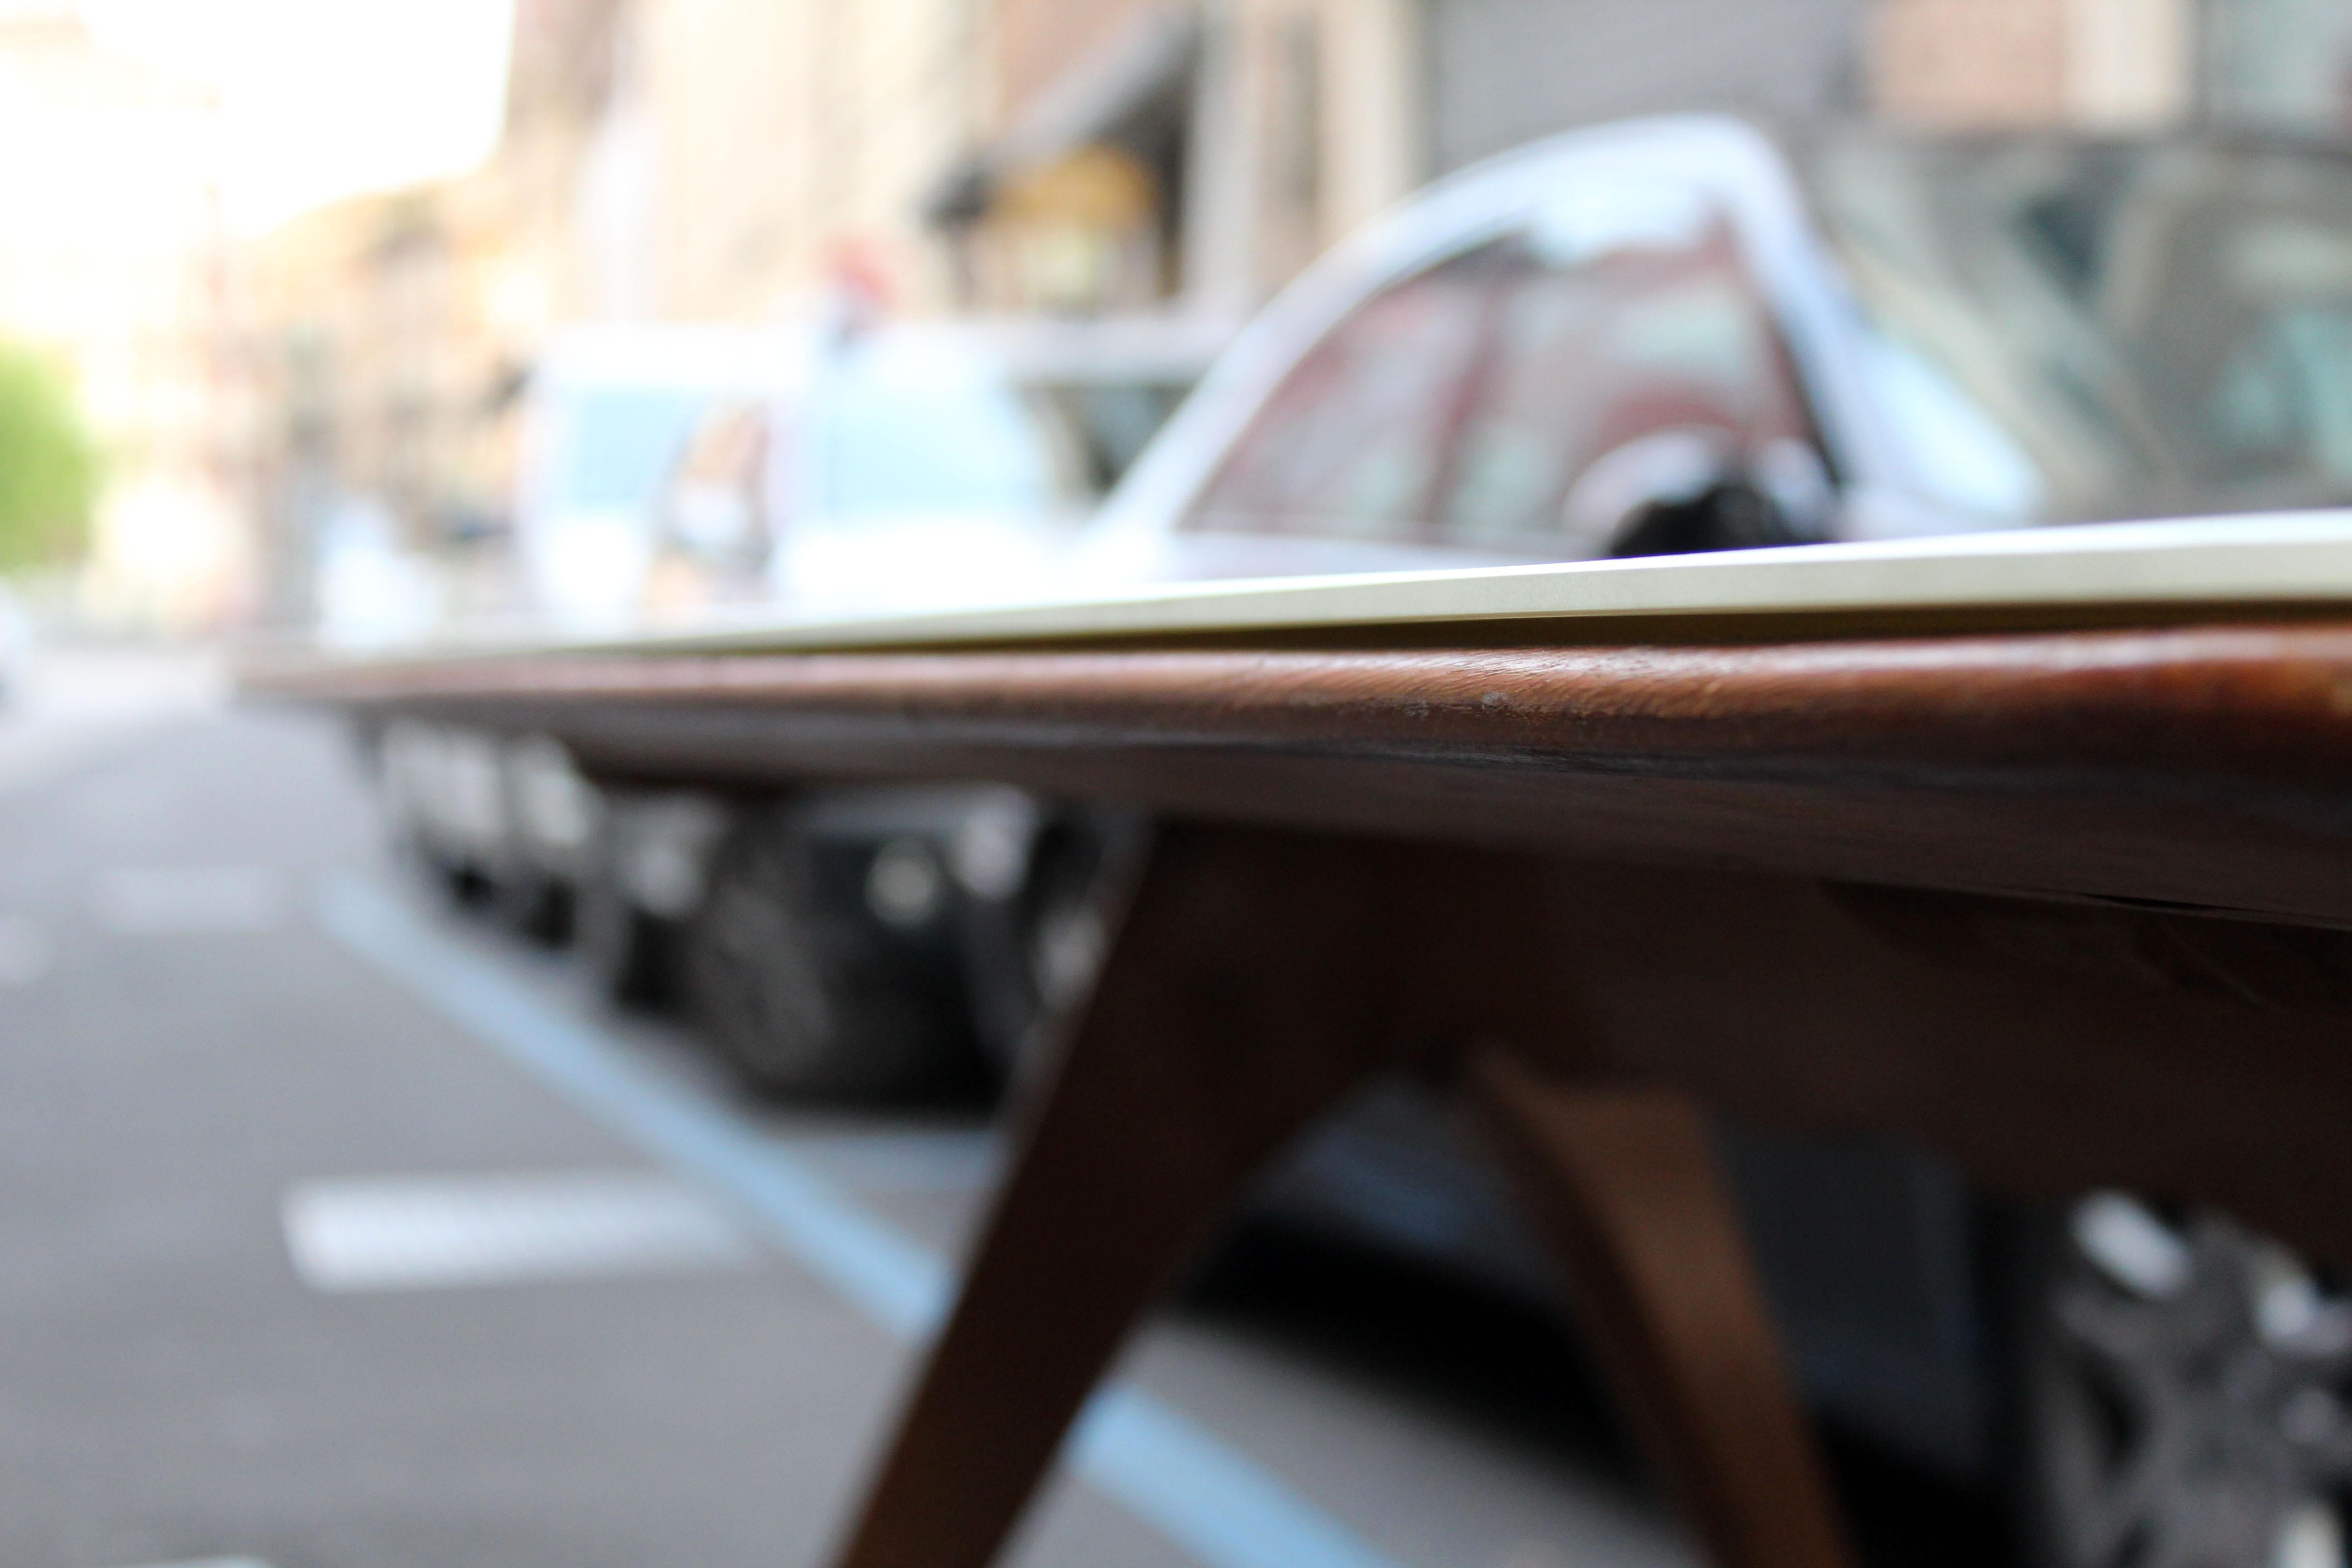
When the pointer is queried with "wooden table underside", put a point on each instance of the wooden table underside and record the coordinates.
(2073, 909)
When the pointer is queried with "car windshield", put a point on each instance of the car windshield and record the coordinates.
(614, 446)
(906, 436)
(2083, 331)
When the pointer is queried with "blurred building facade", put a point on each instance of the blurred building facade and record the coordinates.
(732, 160)
(114, 261)
(787, 144)
(389, 333)
(2113, 64)
(1500, 73)
(2100, 65)
(1139, 156)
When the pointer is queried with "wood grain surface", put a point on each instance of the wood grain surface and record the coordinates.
(2201, 768)
(2007, 851)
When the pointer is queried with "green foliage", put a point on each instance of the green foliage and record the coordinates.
(49, 465)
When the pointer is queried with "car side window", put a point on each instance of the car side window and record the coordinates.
(1527, 395)
(1619, 377)
(1352, 444)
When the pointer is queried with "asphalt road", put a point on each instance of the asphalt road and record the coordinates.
(341, 1232)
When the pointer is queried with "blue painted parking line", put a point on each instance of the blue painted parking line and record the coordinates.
(1207, 1496)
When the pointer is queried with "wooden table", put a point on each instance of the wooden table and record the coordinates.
(2036, 851)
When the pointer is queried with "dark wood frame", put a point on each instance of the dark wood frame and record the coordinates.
(2071, 908)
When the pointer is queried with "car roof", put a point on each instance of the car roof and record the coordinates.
(1446, 216)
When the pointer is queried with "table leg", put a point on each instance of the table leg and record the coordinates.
(1623, 1182)
(1239, 1005)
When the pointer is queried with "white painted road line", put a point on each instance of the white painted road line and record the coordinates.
(419, 1232)
(1211, 1500)
(165, 900)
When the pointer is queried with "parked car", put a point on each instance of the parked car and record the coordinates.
(1688, 334)
(677, 475)
(825, 467)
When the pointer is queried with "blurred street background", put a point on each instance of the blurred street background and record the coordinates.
(289, 266)
(338, 1236)
(347, 1217)
(219, 1007)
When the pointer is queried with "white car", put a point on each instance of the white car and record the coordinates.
(1689, 334)
(1841, 334)
(675, 475)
